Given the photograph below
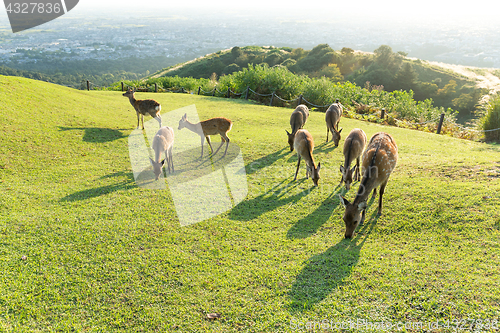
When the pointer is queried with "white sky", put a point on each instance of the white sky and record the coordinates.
(403, 9)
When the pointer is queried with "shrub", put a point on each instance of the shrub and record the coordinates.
(491, 119)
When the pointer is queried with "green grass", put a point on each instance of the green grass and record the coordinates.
(103, 255)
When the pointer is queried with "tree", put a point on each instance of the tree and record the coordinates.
(406, 77)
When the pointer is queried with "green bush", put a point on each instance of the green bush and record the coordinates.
(491, 119)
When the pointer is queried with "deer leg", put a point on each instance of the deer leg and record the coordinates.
(171, 158)
(374, 194)
(210, 144)
(202, 141)
(356, 174)
(226, 139)
(142, 119)
(137, 119)
(296, 172)
(221, 143)
(327, 130)
(382, 189)
(362, 217)
(158, 119)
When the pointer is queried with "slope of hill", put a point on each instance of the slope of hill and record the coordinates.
(85, 249)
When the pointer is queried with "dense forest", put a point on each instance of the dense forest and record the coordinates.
(383, 69)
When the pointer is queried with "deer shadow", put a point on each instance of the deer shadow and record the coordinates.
(310, 224)
(326, 147)
(327, 271)
(97, 134)
(95, 192)
(268, 201)
(265, 161)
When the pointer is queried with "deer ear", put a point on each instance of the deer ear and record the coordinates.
(319, 166)
(342, 169)
(287, 132)
(162, 162)
(362, 206)
(151, 161)
(341, 130)
(343, 201)
(353, 168)
(185, 116)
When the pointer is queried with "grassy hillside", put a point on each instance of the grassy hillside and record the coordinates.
(84, 249)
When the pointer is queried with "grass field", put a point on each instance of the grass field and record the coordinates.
(83, 248)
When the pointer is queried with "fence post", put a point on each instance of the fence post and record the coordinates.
(246, 94)
(88, 85)
(382, 114)
(228, 92)
(300, 100)
(123, 87)
(156, 87)
(272, 97)
(199, 90)
(440, 125)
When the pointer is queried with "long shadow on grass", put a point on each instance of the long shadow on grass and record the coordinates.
(325, 147)
(312, 222)
(126, 184)
(327, 271)
(266, 160)
(270, 200)
(97, 134)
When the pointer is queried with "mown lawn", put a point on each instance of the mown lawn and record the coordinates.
(83, 248)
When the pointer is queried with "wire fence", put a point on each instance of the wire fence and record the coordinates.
(215, 92)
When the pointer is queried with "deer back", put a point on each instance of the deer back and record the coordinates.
(379, 160)
(304, 146)
(162, 141)
(332, 116)
(298, 118)
(215, 126)
(147, 106)
(354, 145)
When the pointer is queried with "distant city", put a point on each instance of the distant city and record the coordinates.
(183, 36)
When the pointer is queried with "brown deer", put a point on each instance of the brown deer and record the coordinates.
(304, 145)
(354, 145)
(209, 127)
(163, 142)
(297, 120)
(379, 160)
(144, 107)
(332, 118)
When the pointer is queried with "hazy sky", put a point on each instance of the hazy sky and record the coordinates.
(413, 9)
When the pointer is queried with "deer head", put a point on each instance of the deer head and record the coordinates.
(336, 136)
(291, 139)
(347, 176)
(157, 167)
(353, 216)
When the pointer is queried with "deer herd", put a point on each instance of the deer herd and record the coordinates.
(378, 160)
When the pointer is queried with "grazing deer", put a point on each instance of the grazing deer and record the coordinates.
(297, 120)
(143, 107)
(332, 118)
(354, 145)
(163, 142)
(304, 145)
(209, 127)
(379, 160)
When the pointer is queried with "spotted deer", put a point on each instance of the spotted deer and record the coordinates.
(298, 119)
(144, 107)
(209, 127)
(163, 142)
(304, 145)
(379, 160)
(332, 118)
(354, 145)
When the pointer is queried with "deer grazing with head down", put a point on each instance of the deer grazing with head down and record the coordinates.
(304, 145)
(354, 145)
(379, 160)
(209, 127)
(163, 142)
(332, 118)
(144, 107)
(297, 120)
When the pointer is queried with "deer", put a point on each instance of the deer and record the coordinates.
(163, 142)
(332, 118)
(354, 145)
(209, 127)
(144, 107)
(297, 120)
(304, 145)
(379, 160)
